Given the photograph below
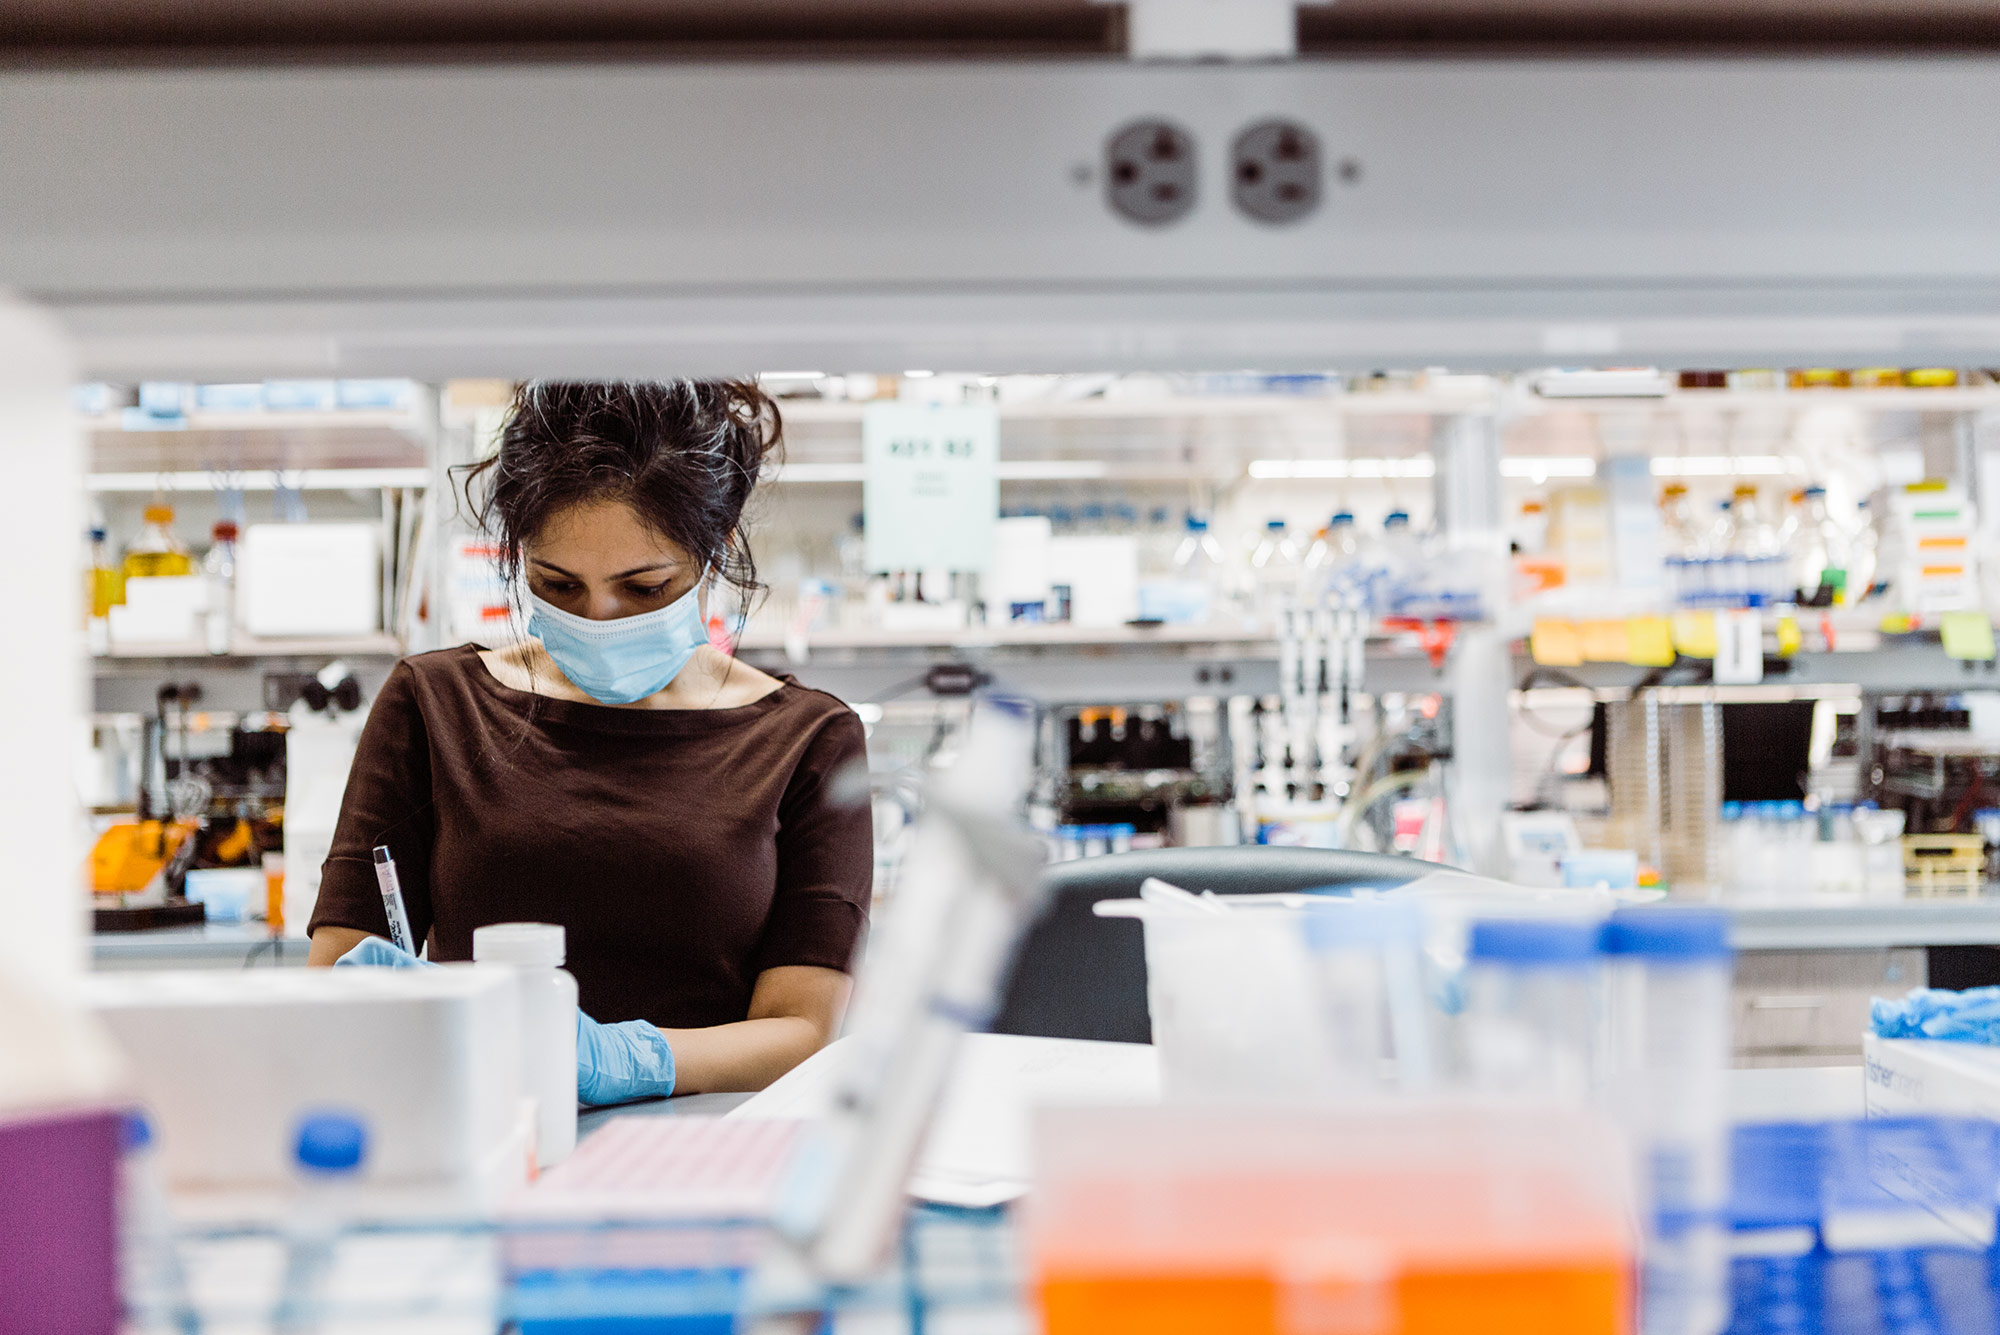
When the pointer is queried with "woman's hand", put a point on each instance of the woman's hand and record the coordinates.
(795, 1011)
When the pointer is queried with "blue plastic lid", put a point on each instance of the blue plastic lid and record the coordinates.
(1342, 517)
(1273, 525)
(134, 1132)
(1196, 524)
(331, 1142)
(1664, 933)
(1815, 490)
(1396, 517)
(1122, 828)
(1732, 811)
(1533, 941)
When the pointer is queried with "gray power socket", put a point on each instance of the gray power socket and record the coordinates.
(1274, 171)
(1149, 175)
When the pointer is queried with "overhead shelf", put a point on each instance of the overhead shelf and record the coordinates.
(247, 444)
(306, 479)
(355, 646)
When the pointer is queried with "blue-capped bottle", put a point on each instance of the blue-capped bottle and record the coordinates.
(327, 1152)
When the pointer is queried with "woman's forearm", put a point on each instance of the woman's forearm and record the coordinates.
(743, 1056)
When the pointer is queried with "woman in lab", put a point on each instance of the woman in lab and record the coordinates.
(700, 829)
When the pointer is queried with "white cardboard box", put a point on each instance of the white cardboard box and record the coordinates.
(227, 1061)
(1924, 1076)
(310, 579)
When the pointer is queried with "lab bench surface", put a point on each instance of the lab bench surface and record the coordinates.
(1866, 926)
(213, 945)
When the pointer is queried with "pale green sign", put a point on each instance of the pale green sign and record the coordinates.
(931, 485)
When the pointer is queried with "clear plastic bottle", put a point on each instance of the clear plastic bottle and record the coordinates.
(1681, 543)
(156, 551)
(1275, 566)
(1336, 545)
(219, 566)
(328, 1153)
(1753, 547)
(1863, 544)
(1668, 980)
(1199, 556)
(152, 1281)
(107, 582)
(548, 1025)
(1726, 575)
(1368, 967)
(1531, 1008)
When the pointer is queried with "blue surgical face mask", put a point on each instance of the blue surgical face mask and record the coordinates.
(624, 660)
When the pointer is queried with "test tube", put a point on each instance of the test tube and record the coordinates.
(1668, 975)
(1531, 1007)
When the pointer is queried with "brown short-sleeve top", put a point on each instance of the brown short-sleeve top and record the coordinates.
(684, 851)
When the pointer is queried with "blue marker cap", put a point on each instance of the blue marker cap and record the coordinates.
(1664, 933)
(1534, 941)
(134, 1132)
(331, 1142)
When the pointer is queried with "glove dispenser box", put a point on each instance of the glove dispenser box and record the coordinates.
(227, 1062)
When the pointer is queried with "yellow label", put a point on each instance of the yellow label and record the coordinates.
(1553, 643)
(1967, 635)
(1694, 634)
(1649, 641)
(1897, 623)
(1789, 638)
(1604, 641)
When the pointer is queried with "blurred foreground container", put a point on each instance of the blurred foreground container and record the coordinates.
(1430, 1219)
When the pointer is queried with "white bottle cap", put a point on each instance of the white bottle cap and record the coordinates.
(531, 944)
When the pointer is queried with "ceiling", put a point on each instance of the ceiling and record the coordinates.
(149, 30)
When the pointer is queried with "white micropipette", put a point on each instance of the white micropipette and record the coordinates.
(392, 900)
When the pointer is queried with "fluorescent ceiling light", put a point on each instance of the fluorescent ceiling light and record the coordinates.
(818, 473)
(1280, 469)
(918, 375)
(1051, 470)
(1008, 470)
(1723, 465)
(1540, 467)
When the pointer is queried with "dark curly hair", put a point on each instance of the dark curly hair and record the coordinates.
(684, 454)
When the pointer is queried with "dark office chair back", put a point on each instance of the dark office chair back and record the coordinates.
(1081, 976)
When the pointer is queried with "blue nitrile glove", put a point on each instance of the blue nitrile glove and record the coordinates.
(375, 952)
(619, 1062)
(1971, 1016)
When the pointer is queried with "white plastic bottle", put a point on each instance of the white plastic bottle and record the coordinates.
(1669, 976)
(548, 1026)
(219, 567)
(328, 1156)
